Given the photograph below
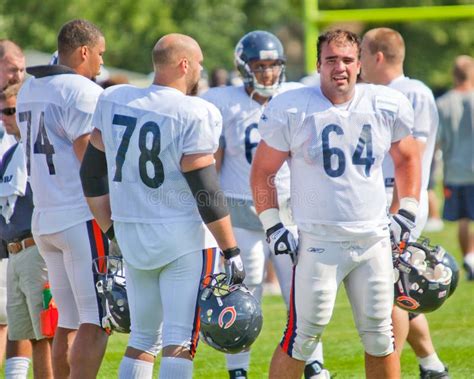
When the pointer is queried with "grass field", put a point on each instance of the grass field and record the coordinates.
(452, 329)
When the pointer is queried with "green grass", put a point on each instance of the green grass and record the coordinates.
(452, 330)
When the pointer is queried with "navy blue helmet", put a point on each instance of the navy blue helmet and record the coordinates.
(259, 45)
(445, 258)
(111, 288)
(231, 318)
(422, 282)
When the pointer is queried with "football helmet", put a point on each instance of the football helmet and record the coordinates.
(422, 283)
(230, 317)
(259, 45)
(445, 258)
(111, 288)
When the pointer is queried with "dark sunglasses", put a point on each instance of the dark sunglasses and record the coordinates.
(8, 111)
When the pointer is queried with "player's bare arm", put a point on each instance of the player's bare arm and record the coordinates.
(407, 162)
(396, 199)
(80, 145)
(219, 157)
(94, 182)
(200, 173)
(265, 165)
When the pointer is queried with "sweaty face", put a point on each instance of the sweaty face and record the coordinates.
(12, 70)
(9, 121)
(267, 72)
(95, 57)
(368, 63)
(339, 66)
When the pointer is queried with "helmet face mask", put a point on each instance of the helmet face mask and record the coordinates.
(445, 258)
(422, 282)
(260, 46)
(111, 288)
(230, 317)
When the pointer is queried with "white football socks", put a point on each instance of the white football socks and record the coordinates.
(176, 368)
(135, 369)
(239, 360)
(431, 362)
(17, 368)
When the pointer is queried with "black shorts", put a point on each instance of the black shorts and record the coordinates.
(458, 202)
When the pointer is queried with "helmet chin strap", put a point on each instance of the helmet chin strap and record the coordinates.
(265, 91)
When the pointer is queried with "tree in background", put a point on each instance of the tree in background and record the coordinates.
(133, 26)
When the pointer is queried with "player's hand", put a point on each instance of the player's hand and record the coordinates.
(401, 226)
(281, 241)
(234, 267)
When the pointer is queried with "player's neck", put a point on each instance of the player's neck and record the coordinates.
(164, 82)
(389, 75)
(255, 96)
(463, 87)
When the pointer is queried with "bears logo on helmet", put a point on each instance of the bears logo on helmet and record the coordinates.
(230, 317)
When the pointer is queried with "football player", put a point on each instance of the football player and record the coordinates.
(335, 137)
(382, 56)
(260, 59)
(153, 149)
(54, 113)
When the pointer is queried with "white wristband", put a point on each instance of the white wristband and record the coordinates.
(270, 217)
(410, 204)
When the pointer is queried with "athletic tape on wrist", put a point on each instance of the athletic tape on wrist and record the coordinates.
(269, 218)
(410, 204)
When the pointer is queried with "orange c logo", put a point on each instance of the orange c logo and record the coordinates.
(233, 316)
(407, 302)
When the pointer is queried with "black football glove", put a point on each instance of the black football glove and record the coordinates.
(281, 241)
(401, 226)
(234, 267)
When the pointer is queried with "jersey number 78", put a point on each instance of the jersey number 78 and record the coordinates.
(146, 154)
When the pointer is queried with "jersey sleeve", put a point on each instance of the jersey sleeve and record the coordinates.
(425, 115)
(97, 116)
(79, 113)
(274, 126)
(202, 130)
(404, 122)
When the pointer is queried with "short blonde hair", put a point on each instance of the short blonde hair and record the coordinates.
(10, 91)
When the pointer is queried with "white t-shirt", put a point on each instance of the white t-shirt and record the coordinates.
(146, 131)
(52, 112)
(425, 126)
(337, 188)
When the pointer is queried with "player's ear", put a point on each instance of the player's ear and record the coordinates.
(83, 50)
(183, 65)
(379, 57)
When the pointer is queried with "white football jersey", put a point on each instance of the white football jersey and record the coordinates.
(425, 126)
(337, 188)
(52, 112)
(240, 137)
(6, 140)
(146, 131)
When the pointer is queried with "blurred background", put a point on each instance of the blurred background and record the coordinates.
(132, 27)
